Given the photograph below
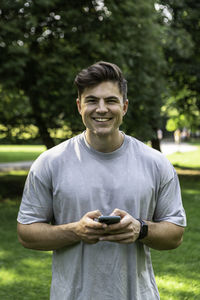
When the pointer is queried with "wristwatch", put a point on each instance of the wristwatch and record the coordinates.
(143, 229)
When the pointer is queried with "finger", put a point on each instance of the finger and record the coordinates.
(127, 220)
(95, 231)
(122, 225)
(90, 223)
(91, 240)
(94, 214)
(114, 227)
(118, 212)
(116, 237)
(126, 241)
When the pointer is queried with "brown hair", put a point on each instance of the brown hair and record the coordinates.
(99, 72)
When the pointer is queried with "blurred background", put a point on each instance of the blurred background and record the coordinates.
(44, 44)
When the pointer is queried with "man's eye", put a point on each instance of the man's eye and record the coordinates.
(90, 100)
(112, 100)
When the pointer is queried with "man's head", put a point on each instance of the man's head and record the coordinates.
(100, 72)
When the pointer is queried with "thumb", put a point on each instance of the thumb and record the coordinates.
(119, 212)
(94, 214)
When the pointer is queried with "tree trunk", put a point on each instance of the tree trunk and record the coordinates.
(155, 143)
(40, 122)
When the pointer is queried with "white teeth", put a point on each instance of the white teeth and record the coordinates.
(101, 119)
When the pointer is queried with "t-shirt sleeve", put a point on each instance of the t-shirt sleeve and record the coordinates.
(36, 204)
(169, 203)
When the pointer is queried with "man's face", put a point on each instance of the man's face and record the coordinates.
(102, 108)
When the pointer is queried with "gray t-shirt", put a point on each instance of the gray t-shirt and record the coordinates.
(71, 179)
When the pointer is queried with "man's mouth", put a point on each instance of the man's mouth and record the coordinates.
(102, 119)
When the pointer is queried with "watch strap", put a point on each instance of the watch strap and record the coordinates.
(143, 229)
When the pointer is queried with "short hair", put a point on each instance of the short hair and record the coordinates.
(99, 72)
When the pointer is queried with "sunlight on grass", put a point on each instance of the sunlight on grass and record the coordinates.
(186, 159)
(23, 148)
(191, 192)
(15, 172)
(35, 263)
(176, 286)
(25, 273)
(7, 276)
(2, 254)
(14, 153)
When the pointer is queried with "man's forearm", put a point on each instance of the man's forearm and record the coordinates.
(163, 235)
(42, 236)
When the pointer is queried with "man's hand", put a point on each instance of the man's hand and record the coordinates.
(43, 236)
(89, 230)
(127, 231)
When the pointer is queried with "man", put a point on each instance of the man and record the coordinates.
(101, 172)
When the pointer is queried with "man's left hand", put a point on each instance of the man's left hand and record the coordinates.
(124, 232)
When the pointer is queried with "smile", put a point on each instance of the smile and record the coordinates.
(102, 119)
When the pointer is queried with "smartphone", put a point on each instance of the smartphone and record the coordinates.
(109, 219)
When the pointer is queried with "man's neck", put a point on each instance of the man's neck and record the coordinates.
(106, 143)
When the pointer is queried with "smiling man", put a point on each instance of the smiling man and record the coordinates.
(102, 109)
(102, 172)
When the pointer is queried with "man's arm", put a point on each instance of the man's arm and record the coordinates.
(43, 236)
(161, 235)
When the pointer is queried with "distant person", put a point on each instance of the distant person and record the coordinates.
(160, 134)
(102, 171)
(185, 134)
(177, 136)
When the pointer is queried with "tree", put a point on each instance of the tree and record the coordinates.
(45, 43)
(145, 68)
(181, 47)
(16, 115)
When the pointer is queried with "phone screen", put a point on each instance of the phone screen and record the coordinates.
(109, 219)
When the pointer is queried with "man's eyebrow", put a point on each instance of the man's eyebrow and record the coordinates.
(109, 97)
(91, 96)
(112, 97)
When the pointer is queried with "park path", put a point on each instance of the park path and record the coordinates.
(166, 148)
(22, 165)
(169, 147)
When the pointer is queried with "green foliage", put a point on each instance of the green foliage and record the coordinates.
(181, 46)
(145, 69)
(182, 114)
(44, 44)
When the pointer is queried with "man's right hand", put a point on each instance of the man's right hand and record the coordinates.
(89, 230)
(43, 236)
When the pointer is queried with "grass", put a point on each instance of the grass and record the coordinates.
(15, 153)
(187, 160)
(177, 271)
(25, 274)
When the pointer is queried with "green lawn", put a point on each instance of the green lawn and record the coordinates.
(177, 271)
(13, 153)
(25, 274)
(187, 160)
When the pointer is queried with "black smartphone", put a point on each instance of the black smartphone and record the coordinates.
(109, 219)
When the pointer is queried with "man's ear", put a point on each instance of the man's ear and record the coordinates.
(125, 107)
(78, 103)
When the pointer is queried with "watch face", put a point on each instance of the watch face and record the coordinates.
(143, 230)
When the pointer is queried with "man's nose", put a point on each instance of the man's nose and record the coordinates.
(101, 107)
